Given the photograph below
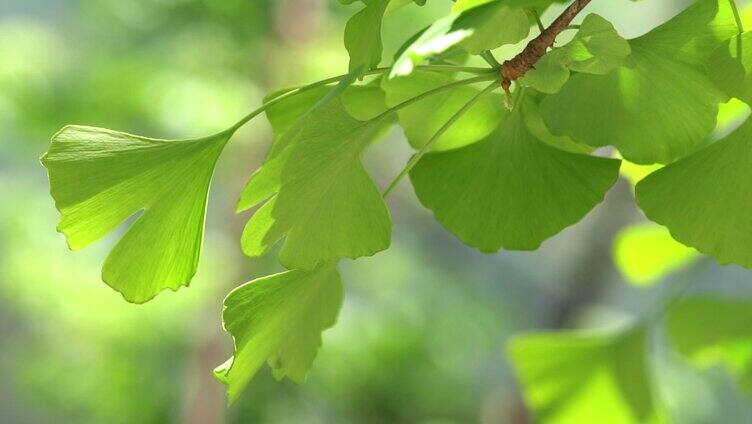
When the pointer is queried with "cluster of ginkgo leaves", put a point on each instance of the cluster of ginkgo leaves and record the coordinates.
(499, 170)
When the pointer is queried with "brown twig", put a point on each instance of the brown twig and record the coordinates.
(518, 66)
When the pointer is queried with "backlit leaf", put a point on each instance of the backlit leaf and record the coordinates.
(99, 178)
(320, 199)
(279, 320)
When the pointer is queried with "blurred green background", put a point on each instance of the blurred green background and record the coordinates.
(421, 337)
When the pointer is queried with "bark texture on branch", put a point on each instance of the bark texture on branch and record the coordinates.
(518, 66)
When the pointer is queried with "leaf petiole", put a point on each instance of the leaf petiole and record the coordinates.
(430, 93)
(414, 160)
(338, 78)
(740, 27)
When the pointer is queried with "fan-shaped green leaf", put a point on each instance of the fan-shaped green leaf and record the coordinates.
(99, 178)
(278, 319)
(705, 198)
(510, 190)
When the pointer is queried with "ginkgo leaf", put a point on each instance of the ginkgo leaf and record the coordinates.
(289, 123)
(659, 105)
(704, 199)
(585, 378)
(646, 253)
(424, 118)
(596, 49)
(714, 331)
(510, 190)
(326, 206)
(363, 35)
(99, 178)
(279, 320)
(476, 29)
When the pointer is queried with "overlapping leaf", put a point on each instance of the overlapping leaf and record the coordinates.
(318, 196)
(278, 319)
(510, 190)
(659, 105)
(730, 67)
(423, 119)
(363, 35)
(99, 178)
(584, 378)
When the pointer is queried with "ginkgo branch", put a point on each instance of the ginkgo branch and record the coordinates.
(518, 66)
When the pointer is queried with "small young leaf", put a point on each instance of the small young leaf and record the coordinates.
(278, 319)
(596, 49)
(363, 35)
(585, 378)
(423, 119)
(99, 178)
(510, 190)
(705, 198)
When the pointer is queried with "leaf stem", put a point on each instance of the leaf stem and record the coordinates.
(538, 21)
(338, 78)
(490, 59)
(740, 28)
(423, 150)
(424, 95)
